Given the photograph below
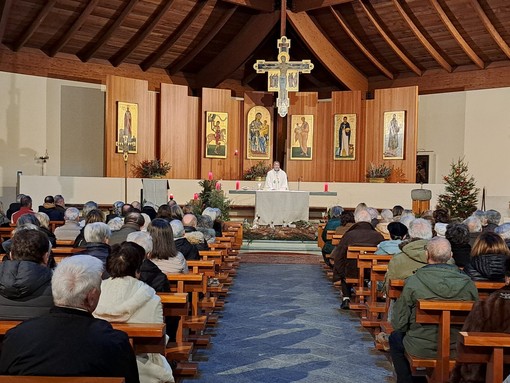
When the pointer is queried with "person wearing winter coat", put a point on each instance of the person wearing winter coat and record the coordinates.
(436, 280)
(488, 258)
(333, 222)
(398, 232)
(25, 279)
(126, 299)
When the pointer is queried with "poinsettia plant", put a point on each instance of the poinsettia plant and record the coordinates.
(151, 169)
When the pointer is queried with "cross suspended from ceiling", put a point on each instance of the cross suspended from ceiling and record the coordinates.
(283, 75)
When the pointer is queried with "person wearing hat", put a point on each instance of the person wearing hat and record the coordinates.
(398, 231)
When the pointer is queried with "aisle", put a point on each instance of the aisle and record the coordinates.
(282, 323)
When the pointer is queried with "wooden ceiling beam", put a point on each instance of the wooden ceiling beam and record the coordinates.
(88, 52)
(238, 50)
(490, 28)
(308, 5)
(174, 68)
(326, 53)
(176, 34)
(33, 27)
(142, 34)
(259, 5)
(70, 32)
(389, 41)
(359, 44)
(421, 38)
(5, 10)
(456, 35)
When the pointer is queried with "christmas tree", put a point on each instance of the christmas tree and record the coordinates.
(461, 194)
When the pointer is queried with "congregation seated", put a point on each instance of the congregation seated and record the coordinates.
(69, 341)
(398, 232)
(116, 211)
(25, 208)
(4, 220)
(504, 232)
(489, 315)
(474, 226)
(115, 224)
(97, 235)
(95, 215)
(215, 215)
(492, 219)
(51, 210)
(386, 218)
(362, 233)
(60, 203)
(406, 217)
(347, 220)
(182, 245)
(132, 222)
(14, 207)
(44, 226)
(458, 235)
(191, 233)
(440, 280)
(441, 220)
(397, 211)
(149, 210)
(165, 212)
(164, 253)
(86, 209)
(488, 257)
(27, 221)
(205, 226)
(333, 222)
(71, 228)
(25, 277)
(126, 299)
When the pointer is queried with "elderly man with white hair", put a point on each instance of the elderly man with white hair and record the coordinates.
(195, 237)
(97, 235)
(362, 233)
(474, 225)
(493, 217)
(189, 251)
(504, 232)
(71, 228)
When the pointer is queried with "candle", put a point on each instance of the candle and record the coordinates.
(171, 196)
(236, 152)
(218, 186)
(195, 196)
(210, 175)
(237, 185)
(326, 187)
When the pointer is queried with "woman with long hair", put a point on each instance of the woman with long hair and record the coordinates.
(488, 257)
(164, 253)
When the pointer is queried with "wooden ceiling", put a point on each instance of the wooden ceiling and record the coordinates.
(439, 45)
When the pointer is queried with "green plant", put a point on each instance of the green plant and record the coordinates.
(151, 168)
(211, 197)
(378, 171)
(260, 169)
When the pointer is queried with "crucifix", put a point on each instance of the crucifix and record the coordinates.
(283, 75)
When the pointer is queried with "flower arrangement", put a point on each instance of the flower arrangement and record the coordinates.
(260, 169)
(151, 169)
(378, 171)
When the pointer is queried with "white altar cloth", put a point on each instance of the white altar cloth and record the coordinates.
(280, 207)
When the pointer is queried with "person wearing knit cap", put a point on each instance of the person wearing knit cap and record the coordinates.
(398, 232)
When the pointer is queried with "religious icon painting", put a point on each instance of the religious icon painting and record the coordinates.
(394, 135)
(216, 130)
(344, 142)
(301, 133)
(258, 135)
(127, 127)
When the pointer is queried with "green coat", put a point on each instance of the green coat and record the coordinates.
(440, 282)
(332, 224)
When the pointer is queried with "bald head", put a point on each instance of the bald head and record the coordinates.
(439, 250)
(189, 220)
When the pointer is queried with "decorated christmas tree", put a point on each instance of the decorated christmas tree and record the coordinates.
(461, 194)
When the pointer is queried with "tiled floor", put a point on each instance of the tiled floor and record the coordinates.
(282, 323)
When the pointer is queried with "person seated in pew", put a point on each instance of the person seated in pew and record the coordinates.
(458, 235)
(94, 215)
(191, 233)
(333, 222)
(69, 341)
(492, 217)
(96, 236)
(183, 246)
(440, 280)
(488, 257)
(474, 226)
(164, 253)
(126, 299)
(26, 208)
(29, 221)
(397, 211)
(504, 232)
(362, 233)
(215, 215)
(44, 226)
(71, 228)
(347, 220)
(386, 219)
(398, 232)
(205, 226)
(51, 210)
(26, 278)
(489, 315)
(86, 209)
(14, 207)
(133, 221)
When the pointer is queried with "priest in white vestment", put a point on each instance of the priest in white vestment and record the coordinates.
(276, 178)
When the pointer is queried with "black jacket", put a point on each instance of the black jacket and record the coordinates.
(461, 254)
(68, 342)
(189, 251)
(25, 290)
(154, 277)
(53, 213)
(100, 251)
(487, 267)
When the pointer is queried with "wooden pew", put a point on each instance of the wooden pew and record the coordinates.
(353, 252)
(58, 379)
(320, 229)
(443, 314)
(6, 233)
(488, 348)
(54, 224)
(485, 288)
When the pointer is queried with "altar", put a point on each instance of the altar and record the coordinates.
(279, 207)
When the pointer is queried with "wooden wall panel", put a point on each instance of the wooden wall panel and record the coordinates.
(252, 99)
(221, 100)
(323, 156)
(179, 131)
(387, 100)
(303, 103)
(135, 91)
(346, 170)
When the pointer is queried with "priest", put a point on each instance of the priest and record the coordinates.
(276, 178)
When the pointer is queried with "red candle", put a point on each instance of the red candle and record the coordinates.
(236, 152)
(326, 187)
(237, 185)
(195, 196)
(210, 175)
(218, 186)
(171, 196)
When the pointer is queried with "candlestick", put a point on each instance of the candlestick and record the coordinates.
(195, 196)
(237, 185)
(210, 175)
(326, 187)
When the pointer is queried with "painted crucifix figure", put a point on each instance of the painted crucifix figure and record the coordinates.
(283, 75)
